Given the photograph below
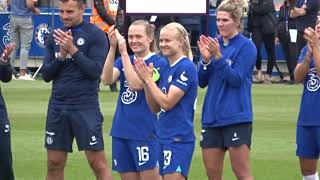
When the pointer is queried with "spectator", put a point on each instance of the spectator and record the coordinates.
(226, 69)
(6, 170)
(3, 6)
(104, 13)
(305, 12)
(262, 25)
(21, 29)
(73, 61)
(308, 125)
(285, 25)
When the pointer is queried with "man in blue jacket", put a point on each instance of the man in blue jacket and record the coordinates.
(6, 171)
(73, 61)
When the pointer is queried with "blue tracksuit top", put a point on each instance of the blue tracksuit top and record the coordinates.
(75, 80)
(5, 76)
(229, 81)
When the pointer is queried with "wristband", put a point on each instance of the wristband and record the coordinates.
(60, 58)
(4, 61)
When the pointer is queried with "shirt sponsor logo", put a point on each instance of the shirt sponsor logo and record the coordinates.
(313, 83)
(128, 96)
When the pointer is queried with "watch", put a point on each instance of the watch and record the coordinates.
(5, 61)
(59, 57)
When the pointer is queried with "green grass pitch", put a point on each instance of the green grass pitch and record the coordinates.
(273, 149)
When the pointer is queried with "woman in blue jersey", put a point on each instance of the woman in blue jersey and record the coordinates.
(226, 70)
(134, 135)
(174, 97)
(308, 128)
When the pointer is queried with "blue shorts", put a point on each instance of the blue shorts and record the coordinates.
(63, 126)
(176, 157)
(308, 141)
(134, 155)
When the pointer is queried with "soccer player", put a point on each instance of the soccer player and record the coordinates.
(174, 97)
(6, 171)
(73, 62)
(134, 134)
(308, 127)
(226, 69)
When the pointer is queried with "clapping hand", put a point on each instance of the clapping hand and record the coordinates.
(7, 51)
(143, 71)
(209, 47)
(65, 41)
(112, 36)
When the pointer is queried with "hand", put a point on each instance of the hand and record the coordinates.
(143, 71)
(311, 36)
(36, 11)
(7, 51)
(65, 41)
(121, 42)
(203, 50)
(112, 36)
(276, 41)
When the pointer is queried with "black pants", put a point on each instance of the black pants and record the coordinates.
(6, 171)
(290, 52)
(268, 39)
(301, 42)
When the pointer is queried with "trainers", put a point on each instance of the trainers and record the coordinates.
(26, 77)
(267, 79)
(14, 77)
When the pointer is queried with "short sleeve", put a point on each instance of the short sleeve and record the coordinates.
(118, 64)
(185, 77)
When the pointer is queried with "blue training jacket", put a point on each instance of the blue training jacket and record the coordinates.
(229, 81)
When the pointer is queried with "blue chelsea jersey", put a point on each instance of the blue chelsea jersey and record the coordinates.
(309, 114)
(176, 124)
(133, 118)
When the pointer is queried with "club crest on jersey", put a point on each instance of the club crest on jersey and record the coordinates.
(49, 140)
(128, 96)
(80, 41)
(313, 83)
(40, 32)
(169, 79)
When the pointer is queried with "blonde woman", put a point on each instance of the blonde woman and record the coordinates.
(174, 97)
(226, 70)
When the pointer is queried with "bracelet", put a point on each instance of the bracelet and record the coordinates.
(205, 64)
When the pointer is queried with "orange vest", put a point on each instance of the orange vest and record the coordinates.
(111, 7)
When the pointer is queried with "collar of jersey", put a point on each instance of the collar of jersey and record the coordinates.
(176, 62)
(146, 57)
